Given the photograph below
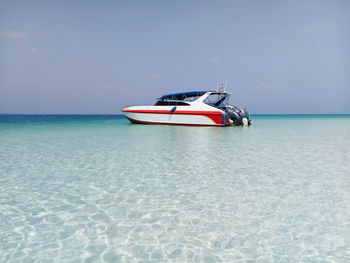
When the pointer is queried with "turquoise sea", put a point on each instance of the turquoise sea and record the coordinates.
(98, 189)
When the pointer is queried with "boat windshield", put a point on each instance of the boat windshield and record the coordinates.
(218, 100)
(170, 103)
(185, 96)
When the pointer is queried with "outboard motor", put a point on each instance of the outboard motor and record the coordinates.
(239, 117)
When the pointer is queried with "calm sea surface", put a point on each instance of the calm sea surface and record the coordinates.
(98, 189)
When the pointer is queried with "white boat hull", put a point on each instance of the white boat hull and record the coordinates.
(180, 116)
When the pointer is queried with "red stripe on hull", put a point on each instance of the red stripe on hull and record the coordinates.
(175, 112)
(176, 124)
(215, 116)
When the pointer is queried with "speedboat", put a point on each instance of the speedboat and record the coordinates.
(195, 108)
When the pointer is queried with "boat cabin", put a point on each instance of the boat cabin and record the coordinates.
(212, 98)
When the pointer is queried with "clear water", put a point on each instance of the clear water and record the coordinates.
(98, 189)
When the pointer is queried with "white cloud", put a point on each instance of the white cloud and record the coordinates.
(263, 86)
(157, 76)
(11, 34)
(213, 59)
(23, 81)
(18, 80)
(38, 50)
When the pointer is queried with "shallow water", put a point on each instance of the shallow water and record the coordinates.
(98, 189)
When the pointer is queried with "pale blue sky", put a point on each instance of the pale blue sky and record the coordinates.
(98, 56)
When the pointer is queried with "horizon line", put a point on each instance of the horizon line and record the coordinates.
(120, 114)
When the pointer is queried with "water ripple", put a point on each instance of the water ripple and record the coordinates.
(113, 192)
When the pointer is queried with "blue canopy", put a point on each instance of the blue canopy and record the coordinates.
(181, 96)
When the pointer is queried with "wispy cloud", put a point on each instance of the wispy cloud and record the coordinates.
(11, 34)
(213, 59)
(24, 81)
(39, 50)
(263, 87)
(157, 76)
